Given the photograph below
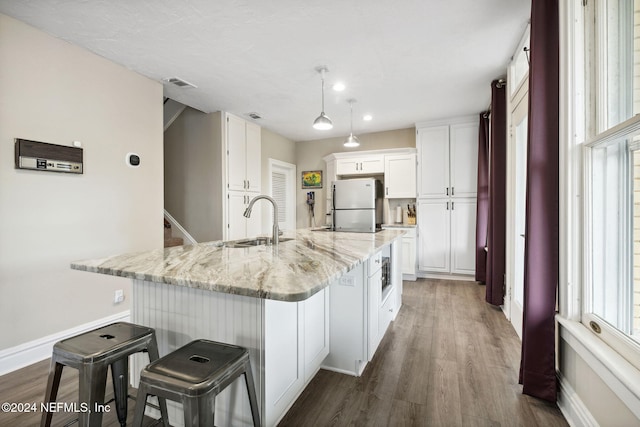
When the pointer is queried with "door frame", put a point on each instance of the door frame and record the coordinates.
(289, 170)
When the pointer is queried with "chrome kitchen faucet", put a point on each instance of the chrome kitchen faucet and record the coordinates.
(276, 231)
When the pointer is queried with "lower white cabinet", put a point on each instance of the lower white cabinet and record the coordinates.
(239, 227)
(447, 235)
(296, 343)
(361, 313)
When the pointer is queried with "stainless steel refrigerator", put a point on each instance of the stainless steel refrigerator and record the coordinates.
(357, 205)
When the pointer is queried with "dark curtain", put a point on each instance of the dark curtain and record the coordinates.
(482, 207)
(541, 251)
(496, 239)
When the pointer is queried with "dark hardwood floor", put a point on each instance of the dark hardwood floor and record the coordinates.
(449, 359)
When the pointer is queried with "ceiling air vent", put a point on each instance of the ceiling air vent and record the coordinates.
(254, 116)
(179, 82)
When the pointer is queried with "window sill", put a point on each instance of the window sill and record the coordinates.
(619, 375)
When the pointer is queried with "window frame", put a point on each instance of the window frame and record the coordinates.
(591, 118)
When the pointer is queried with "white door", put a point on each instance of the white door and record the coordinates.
(516, 207)
(237, 154)
(463, 236)
(433, 152)
(434, 238)
(282, 187)
(236, 222)
(253, 156)
(463, 153)
(400, 176)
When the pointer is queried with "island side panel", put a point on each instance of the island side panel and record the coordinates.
(180, 315)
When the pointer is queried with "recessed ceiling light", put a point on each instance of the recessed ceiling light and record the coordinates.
(367, 117)
(339, 87)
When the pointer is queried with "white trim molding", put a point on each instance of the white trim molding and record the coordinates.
(572, 407)
(616, 372)
(22, 355)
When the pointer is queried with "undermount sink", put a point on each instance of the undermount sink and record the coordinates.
(247, 243)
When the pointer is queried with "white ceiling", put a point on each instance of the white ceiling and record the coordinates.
(404, 61)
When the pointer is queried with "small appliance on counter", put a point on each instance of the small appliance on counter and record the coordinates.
(357, 205)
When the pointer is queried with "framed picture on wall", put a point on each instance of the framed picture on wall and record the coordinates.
(312, 179)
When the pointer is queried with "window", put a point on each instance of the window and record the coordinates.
(612, 174)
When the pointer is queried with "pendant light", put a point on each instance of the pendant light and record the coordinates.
(351, 141)
(323, 122)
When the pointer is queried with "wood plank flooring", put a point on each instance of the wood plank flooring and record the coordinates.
(449, 359)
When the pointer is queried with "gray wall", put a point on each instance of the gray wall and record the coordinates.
(309, 156)
(55, 92)
(193, 176)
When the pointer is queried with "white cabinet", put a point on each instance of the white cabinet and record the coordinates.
(409, 254)
(447, 231)
(463, 160)
(434, 230)
(433, 161)
(283, 348)
(374, 280)
(348, 319)
(316, 331)
(296, 343)
(243, 150)
(400, 176)
(360, 314)
(447, 188)
(239, 227)
(448, 160)
(365, 165)
(463, 236)
(243, 155)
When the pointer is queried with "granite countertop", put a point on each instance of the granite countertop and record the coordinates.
(292, 271)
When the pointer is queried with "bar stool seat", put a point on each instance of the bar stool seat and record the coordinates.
(194, 375)
(92, 353)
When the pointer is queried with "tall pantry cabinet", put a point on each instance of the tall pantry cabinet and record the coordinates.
(447, 189)
(243, 169)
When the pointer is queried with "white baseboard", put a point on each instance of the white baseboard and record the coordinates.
(572, 407)
(31, 352)
(446, 276)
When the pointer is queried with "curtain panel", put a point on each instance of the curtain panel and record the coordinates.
(537, 368)
(496, 234)
(482, 207)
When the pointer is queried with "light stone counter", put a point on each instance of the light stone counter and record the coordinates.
(293, 271)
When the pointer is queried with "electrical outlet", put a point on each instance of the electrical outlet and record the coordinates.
(118, 297)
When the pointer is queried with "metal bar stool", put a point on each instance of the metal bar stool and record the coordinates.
(91, 353)
(194, 375)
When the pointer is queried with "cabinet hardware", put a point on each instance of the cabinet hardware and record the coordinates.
(248, 184)
(452, 191)
(447, 205)
(447, 191)
(451, 205)
(387, 191)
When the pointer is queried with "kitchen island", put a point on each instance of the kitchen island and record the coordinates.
(275, 301)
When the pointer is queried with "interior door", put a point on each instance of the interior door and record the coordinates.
(516, 204)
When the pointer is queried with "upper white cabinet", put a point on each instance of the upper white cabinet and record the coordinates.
(361, 165)
(243, 155)
(243, 150)
(400, 176)
(448, 157)
(463, 161)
